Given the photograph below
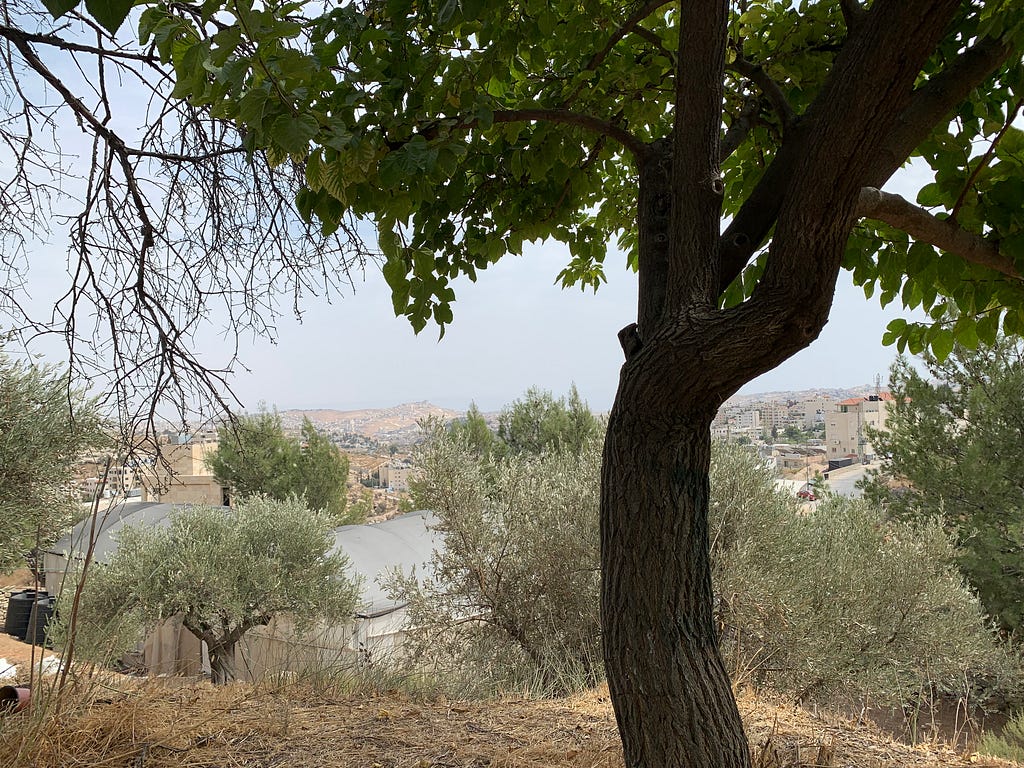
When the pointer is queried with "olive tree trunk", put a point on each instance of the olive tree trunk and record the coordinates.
(222, 662)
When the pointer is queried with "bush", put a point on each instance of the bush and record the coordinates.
(833, 602)
(512, 599)
(1008, 743)
(838, 602)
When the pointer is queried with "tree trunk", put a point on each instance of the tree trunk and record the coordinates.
(222, 662)
(671, 694)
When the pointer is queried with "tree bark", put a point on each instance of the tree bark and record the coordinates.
(669, 687)
(222, 662)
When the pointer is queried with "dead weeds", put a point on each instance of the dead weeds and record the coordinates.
(165, 723)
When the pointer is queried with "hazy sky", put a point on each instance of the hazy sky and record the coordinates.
(513, 329)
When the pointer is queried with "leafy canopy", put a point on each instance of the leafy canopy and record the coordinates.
(953, 451)
(254, 456)
(44, 429)
(466, 129)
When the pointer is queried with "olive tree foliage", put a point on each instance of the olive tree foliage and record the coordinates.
(837, 604)
(133, 219)
(511, 601)
(255, 457)
(834, 605)
(44, 429)
(737, 152)
(953, 451)
(223, 571)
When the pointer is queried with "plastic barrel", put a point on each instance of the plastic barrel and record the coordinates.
(14, 698)
(19, 610)
(39, 618)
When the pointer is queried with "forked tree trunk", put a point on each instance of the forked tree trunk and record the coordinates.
(672, 696)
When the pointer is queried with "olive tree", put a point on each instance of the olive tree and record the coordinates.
(45, 428)
(736, 151)
(835, 605)
(511, 599)
(224, 571)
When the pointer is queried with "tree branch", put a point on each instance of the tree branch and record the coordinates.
(741, 126)
(567, 117)
(756, 74)
(945, 234)
(628, 26)
(934, 100)
(853, 13)
(12, 34)
(1011, 115)
(697, 187)
(929, 104)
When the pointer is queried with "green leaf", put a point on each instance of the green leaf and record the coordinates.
(58, 8)
(109, 13)
(942, 344)
(252, 105)
(293, 133)
(988, 328)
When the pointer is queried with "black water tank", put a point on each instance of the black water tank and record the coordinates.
(19, 609)
(42, 611)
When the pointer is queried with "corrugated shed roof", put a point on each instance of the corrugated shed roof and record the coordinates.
(404, 543)
(149, 513)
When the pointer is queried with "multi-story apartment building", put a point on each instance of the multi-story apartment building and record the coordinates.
(846, 425)
(810, 413)
(774, 415)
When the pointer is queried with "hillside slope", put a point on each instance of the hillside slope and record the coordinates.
(169, 723)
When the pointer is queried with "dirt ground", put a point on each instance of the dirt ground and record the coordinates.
(191, 725)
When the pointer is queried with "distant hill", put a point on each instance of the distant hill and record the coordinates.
(398, 424)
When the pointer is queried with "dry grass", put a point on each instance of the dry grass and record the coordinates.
(158, 724)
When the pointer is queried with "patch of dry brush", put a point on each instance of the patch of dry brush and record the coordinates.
(163, 723)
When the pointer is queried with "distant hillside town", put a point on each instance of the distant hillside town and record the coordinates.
(801, 433)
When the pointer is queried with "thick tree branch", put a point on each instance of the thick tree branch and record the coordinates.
(934, 100)
(870, 87)
(741, 126)
(772, 91)
(944, 234)
(697, 186)
(853, 13)
(930, 103)
(568, 117)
